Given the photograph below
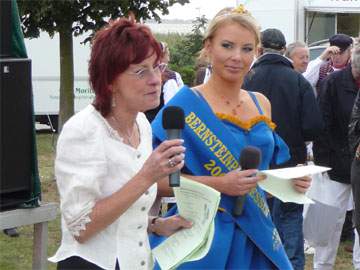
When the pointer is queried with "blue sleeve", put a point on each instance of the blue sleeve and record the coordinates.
(281, 151)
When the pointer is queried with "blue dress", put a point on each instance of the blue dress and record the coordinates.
(251, 240)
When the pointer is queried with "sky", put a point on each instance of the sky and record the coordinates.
(196, 8)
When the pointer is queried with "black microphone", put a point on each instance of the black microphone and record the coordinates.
(250, 158)
(173, 122)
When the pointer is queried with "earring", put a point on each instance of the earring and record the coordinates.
(113, 102)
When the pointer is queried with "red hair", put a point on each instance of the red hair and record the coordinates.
(117, 45)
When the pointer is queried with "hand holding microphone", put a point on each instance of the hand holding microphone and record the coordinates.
(173, 122)
(250, 158)
(168, 158)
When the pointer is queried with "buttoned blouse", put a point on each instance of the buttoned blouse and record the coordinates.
(93, 162)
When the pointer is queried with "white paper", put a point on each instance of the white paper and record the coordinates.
(296, 172)
(198, 203)
(279, 182)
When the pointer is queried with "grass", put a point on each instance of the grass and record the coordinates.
(343, 259)
(16, 253)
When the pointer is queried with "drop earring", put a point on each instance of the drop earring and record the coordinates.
(113, 102)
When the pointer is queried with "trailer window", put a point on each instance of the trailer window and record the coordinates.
(348, 24)
(319, 26)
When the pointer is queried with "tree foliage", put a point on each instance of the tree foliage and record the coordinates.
(85, 15)
(75, 17)
(184, 53)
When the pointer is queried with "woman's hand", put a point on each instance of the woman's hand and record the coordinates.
(170, 225)
(238, 182)
(167, 158)
(302, 184)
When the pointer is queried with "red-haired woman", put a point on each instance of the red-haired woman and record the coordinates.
(105, 169)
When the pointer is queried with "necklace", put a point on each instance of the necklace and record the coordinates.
(222, 103)
(129, 138)
(234, 108)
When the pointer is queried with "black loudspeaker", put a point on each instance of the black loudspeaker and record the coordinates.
(16, 147)
(5, 28)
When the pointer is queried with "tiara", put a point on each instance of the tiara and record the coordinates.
(240, 9)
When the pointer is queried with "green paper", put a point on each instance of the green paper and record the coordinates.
(198, 203)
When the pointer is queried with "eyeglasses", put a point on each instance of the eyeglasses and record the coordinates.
(145, 73)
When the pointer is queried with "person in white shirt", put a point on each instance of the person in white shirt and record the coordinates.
(105, 167)
(171, 84)
(172, 81)
(334, 58)
(313, 69)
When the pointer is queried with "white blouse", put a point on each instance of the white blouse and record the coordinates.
(171, 87)
(92, 162)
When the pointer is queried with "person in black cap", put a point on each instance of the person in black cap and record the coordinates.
(297, 116)
(274, 39)
(336, 100)
(335, 57)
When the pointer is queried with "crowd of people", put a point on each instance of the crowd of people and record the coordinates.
(298, 120)
(111, 164)
(336, 93)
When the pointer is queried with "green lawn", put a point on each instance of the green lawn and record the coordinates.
(16, 253)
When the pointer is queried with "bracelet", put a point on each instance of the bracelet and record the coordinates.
(152, 225)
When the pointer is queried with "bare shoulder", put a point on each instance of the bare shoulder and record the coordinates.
(264, 103)
(198, 87)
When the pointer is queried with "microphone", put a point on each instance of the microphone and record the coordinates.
(173, 121)
(250, 158)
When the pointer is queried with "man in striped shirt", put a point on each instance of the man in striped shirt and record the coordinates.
(335, 57)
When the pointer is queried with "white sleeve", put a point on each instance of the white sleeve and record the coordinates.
(179, 80)
(313, 70)
(170, 88)
(79, 168)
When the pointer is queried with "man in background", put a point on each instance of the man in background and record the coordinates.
(297, 116)
(336, 99)
(334, 58)
(299, 53)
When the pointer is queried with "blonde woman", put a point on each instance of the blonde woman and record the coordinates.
(221, 119)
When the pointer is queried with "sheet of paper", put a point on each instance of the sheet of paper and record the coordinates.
(295, 172)
(201, 251)
(198, 203)
(279, 184)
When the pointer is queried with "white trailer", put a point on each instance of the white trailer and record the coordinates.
(307, 20)
(45, 56)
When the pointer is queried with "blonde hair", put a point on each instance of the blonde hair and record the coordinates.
(229, 15)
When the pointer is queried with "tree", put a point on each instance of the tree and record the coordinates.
(184, 53)
(75, 17)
